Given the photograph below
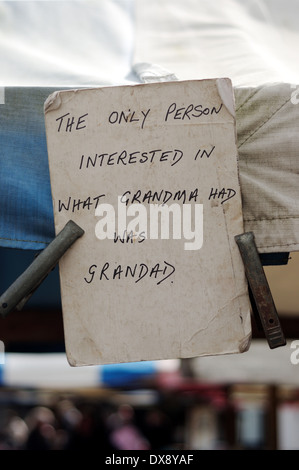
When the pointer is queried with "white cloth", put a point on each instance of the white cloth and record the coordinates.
(66, 43)
(251, 41)
(255, 44)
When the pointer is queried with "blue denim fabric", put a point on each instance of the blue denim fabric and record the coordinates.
(26, 212)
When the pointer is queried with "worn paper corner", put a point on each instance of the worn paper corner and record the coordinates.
(53, 102)
(225, 90)
(245, 343)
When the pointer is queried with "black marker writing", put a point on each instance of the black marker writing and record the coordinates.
(67, 123)
(159, 272)
(224, 194)
(129, 116)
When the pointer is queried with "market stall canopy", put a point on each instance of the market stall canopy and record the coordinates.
(48, 46)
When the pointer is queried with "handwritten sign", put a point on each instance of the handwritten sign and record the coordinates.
(150, 172)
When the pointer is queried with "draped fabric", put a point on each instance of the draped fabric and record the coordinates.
(47, 46)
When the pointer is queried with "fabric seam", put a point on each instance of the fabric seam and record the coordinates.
(263, 123)
(273, 218)
(247, 99)
(26, 241)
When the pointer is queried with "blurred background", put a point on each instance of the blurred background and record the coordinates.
(243, 401)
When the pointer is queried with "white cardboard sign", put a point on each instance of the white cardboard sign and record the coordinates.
(150, 172)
